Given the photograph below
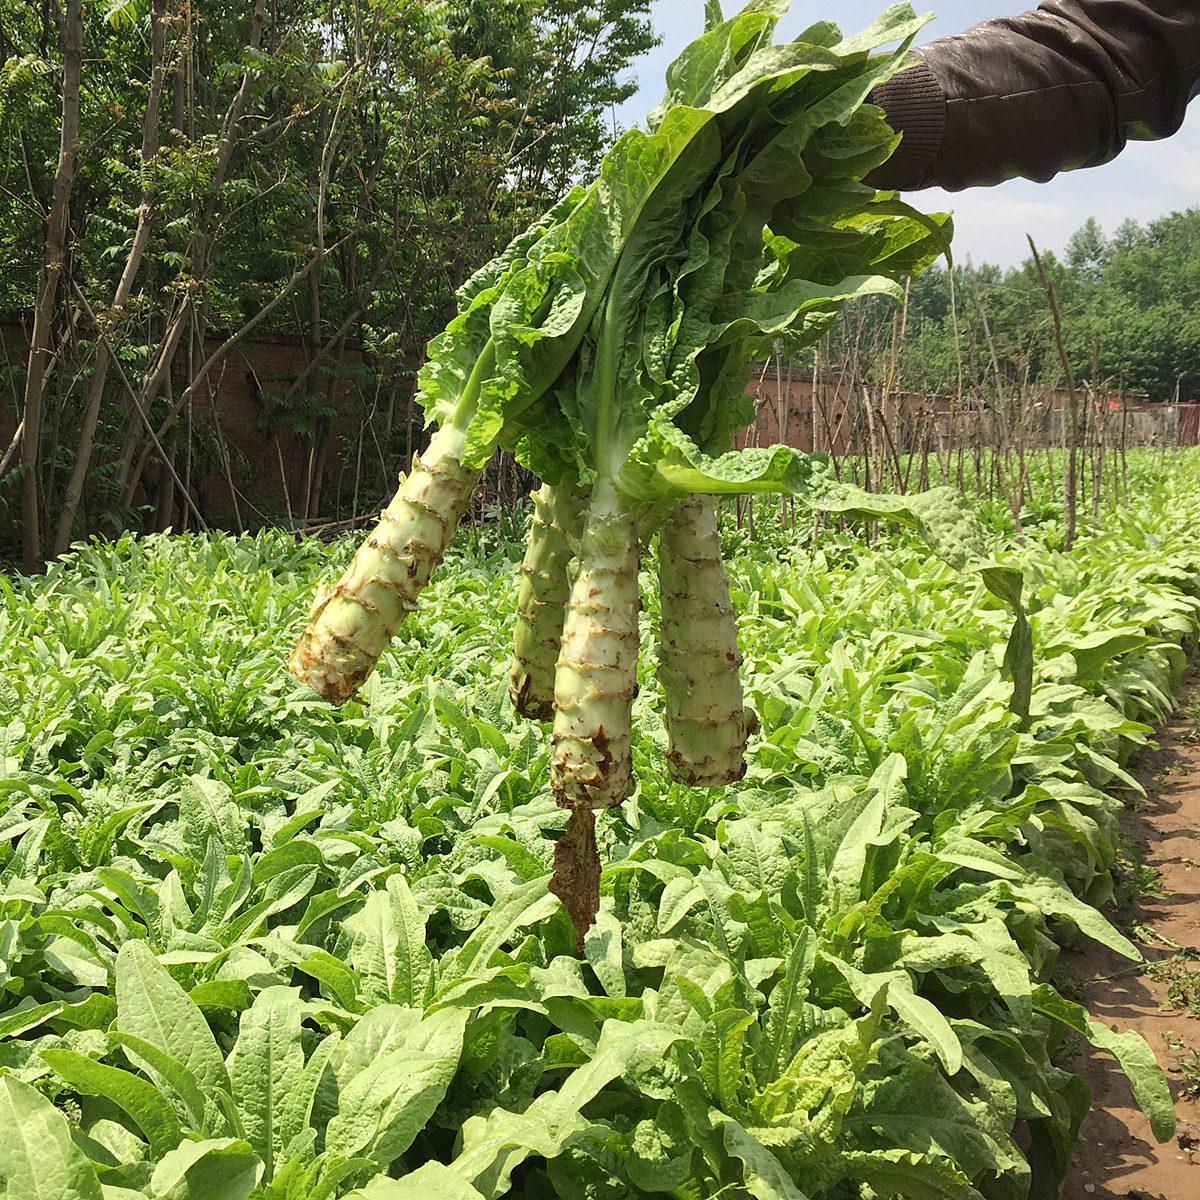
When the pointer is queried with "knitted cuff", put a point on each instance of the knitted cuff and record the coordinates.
(915, 106)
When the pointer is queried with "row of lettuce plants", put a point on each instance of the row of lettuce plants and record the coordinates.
(254, 947)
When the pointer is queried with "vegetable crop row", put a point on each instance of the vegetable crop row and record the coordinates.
(254, 947)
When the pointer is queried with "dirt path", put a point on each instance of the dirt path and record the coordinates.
(1118, 1157)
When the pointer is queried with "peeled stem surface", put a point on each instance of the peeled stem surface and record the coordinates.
(596, 677)
(351, 624)
(542, 597)
(707, 721)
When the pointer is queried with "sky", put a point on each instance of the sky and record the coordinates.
(1147, 180)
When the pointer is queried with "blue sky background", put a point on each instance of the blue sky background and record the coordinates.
(1147, 180)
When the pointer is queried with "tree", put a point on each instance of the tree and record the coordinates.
(323, 168)
(1088, 251)
(50, 280)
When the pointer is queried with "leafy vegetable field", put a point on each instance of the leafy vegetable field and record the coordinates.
(252, 946)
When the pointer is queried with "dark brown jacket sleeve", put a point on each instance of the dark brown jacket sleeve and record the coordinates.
(1063, 87)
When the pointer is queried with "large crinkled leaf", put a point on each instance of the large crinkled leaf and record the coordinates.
(493, 1146)
(1043, 887)
(383, 1107)
(387, 949)
(524, 905)
(917, 1109)
(379, 1031)
(213, 1169)
(265, 1066)
(986, 944)
(427, 1181)
(1129, 1049)
(906, 1173)
(916, 1011)
(38, 1158)
(452, 356)
(137, 1097)
(755, 469)
(763, 1175)
(153, 1007)
(519, 331)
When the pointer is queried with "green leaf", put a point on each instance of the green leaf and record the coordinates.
(762, 1173)
(432, 1179)
(918, 1012)
(207, 808)
(265, 1065)
(787, 1002)
(172, 1078)
(493, 1146)
(379, 1031)
(298, 1104)
(144, 1103)
(215, 1169)
(1044, 888)
(388, 950)
(603, 948)
(222, 995)
(524, 905)
(20, 1020)
(152, 1006)
(38, 1158)
(386, 1104)
(1128, 1048)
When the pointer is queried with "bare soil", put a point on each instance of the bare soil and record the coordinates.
(1118, 1158)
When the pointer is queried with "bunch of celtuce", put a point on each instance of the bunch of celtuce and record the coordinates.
(610, 348)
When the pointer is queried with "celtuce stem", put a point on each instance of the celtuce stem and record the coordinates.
(707, 722)
(351, 624)
(596, 677)
(542, 597)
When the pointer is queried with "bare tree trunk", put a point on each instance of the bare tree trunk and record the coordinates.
(127, 479)
(48, 281)
(13, 447)
(199, 252)
(91, 413)
(164, 501)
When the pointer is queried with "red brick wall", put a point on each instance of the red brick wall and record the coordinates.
(260, 461)
(262, 464)
(271, 470)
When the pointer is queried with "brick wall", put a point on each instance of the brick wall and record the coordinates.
(271, 470)
(274, 471)
(787, 410)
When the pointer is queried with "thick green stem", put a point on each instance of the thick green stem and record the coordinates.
(707, 722)
(351, 624)
(541, 600)
(596, 677)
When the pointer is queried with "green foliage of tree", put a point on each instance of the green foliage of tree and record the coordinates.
(1128, 301)
(328, 169)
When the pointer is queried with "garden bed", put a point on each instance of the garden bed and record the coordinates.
(221, 894)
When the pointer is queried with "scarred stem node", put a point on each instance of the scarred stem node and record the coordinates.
(707, 721)
(542, 597)
(595, 680)
(351, 624)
